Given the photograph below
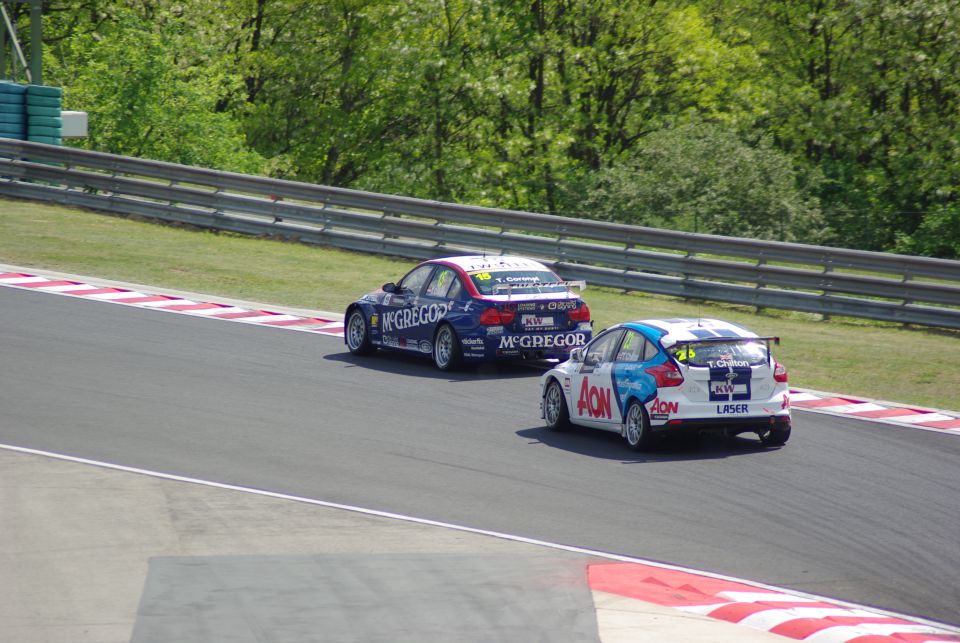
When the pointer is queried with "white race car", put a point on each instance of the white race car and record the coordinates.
(656, 377)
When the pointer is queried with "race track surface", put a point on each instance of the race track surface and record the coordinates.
(848, 509)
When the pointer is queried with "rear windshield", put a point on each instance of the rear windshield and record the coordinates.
(516, 282)
(721, 354)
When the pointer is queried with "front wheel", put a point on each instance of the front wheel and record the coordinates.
(447, 353)
(357, 334)
(637, 431)
(555, 407)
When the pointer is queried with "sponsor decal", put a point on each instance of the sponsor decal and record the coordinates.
(726, 409)
(425, 346)
(595, 400)
(566, 384)
(727, 388)
(729, 363)
(415, 316)
(562, 305)
(374, 319)
(494, 330)
(526, 308)
(390, 340)
(730, 384)
(536, 321)
(515, 280)
(567, 340)
(472, 341)
(661, 409)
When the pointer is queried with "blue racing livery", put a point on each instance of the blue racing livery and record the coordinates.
(472, 308)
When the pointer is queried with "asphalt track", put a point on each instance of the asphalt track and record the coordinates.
(848, 509)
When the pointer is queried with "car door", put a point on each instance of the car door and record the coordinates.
(437, 302)
(630, 375)
(401, 323)
(595, 398)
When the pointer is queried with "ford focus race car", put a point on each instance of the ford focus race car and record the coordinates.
(471, 309)
(650, 378)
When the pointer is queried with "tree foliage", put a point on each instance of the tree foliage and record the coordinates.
(814, 120)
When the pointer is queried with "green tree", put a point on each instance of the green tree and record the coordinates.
(701, 177)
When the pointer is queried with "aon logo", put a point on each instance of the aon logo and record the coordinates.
(595, 400)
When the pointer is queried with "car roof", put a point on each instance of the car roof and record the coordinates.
(472, 263)
(675, 330)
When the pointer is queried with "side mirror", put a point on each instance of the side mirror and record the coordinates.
(576, 355)
(389, 287)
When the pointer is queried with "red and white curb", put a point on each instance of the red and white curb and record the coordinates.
(887, 413)
(171, 303)
(797, 617)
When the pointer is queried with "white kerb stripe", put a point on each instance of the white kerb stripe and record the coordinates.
(167, 302)
(764, 597)
(769, 619)
(263, 318)
(224, 310)
(856, 407)
(802, 397)
(24, 280)
(129, 294)
(843, 633)
(66, 288)
(920, 417)
(703, 610)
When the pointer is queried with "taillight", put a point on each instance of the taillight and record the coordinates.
(779, 372)
(495, 317)
(666, 374)
(580, 314)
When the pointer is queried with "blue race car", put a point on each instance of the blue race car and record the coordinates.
(469, 309)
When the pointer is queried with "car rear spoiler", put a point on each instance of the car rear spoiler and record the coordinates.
(718, 340)
(569, 285)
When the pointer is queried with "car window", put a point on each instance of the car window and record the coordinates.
(633, 348)
(721, 354)
(650, 351)
(506, 282)
(416, 278)
(601, 349)
(441, 282)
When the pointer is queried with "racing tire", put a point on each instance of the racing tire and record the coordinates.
(774, 437)
(447, 352)
(555, 411)
(636, 429)
(357, 334)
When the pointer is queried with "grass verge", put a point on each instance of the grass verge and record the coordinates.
(913, 366)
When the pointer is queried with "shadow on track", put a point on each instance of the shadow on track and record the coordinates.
(399, 363)
(610, 446)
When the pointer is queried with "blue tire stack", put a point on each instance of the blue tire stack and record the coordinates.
(44, 123)
(13, 110)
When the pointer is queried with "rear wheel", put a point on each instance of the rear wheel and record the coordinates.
(357, 334)
(447, 353)
(637, 431)
(555, 407)
(774, 436)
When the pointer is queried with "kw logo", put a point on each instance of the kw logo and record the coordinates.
(595, 400)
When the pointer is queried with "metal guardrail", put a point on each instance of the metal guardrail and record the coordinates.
(766, 274)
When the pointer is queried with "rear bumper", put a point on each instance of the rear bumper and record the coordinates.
(727, 426)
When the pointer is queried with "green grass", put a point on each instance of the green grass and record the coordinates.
(913, 366)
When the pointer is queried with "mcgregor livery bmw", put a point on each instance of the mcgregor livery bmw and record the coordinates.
(471, 309)
(650, 378)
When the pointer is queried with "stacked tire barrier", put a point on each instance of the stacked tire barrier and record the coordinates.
(13, 110)
(44, 122)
